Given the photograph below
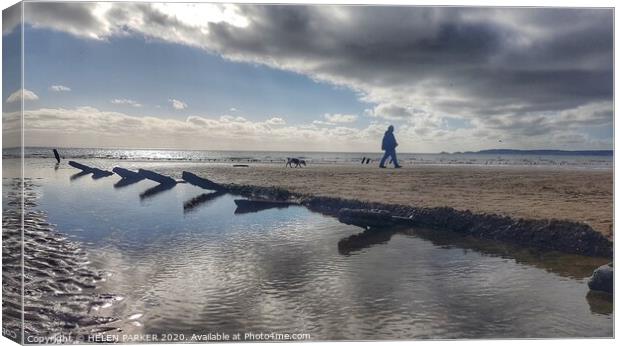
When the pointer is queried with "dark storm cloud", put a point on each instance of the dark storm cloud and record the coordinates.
(370, 40)
(520, 79)
(404, 47)
(76, 18)
(11, 17)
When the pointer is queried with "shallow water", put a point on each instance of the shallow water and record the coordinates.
(204, 269)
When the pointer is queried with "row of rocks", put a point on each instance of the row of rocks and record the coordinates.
(546, 234)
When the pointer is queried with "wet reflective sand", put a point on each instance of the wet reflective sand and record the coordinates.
(59, 296)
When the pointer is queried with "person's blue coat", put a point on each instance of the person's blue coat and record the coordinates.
(389, 141)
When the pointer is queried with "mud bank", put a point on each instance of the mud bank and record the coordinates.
(59, 297)
(545, 234)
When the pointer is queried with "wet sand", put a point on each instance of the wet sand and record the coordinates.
(59, 283)
(522, 192)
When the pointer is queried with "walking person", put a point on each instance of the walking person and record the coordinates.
(389, 144)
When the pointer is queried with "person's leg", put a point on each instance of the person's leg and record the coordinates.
(385, 156)
(394, 159)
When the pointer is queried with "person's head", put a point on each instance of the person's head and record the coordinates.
(391, 128)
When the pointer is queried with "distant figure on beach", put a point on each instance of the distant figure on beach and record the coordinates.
(57, 155)
(290, 161)
(389, 144)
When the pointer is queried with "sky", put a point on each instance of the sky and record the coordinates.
(309, 78)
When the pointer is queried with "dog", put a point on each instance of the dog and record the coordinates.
(290, 161)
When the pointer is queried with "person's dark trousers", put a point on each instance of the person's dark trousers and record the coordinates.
(389, 153)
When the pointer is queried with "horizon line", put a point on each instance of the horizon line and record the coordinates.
(306, 151)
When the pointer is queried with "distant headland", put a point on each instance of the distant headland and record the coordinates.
(539, 152)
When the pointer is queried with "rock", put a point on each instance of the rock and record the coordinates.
(125, 173)
(602, 279)
(201, 182)
(97, 173)
(127, 177)
(160, 178)
(366, 217)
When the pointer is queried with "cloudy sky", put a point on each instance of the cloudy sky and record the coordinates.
(267, 77)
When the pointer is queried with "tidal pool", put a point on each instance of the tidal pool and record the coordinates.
(186, 264)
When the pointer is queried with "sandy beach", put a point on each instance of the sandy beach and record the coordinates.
(522, 192)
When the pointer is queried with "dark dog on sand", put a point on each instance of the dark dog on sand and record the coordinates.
(290, 161)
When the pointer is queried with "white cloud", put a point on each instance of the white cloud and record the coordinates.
(276, 121)
(91, 127)
(321, 122)
(177, 104)
(59, 88)
(17, 96)
(390, 111)
(340, 118)
(88, 126)
(233, 118)
(126, 102)
(199, 15)
(233, 109)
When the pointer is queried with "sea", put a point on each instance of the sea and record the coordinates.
(320, 158)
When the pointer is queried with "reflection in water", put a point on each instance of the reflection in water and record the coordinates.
(98, 174)
(557, 263)
(365, 240)
(566, 265)
(155, 190)
(600, 302)
(126, 182)
(78, 175)
(199, 200)
(281, 270)
(245, 206)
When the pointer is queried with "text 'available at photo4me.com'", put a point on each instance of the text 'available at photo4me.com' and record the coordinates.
(164, 337)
